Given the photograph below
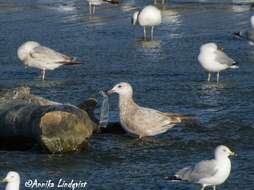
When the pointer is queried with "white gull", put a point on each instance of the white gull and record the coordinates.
(214, 60)
(149, 16)
(37, 56)
(13, 181)
(208, 172)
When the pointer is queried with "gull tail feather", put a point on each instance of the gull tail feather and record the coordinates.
(234, 66)
(72, 61)
(185, 118)
(238, 34)
(112, 1)
(173, 178)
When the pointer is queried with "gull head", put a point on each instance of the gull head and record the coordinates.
(26, 48)
(12, 177)
(223, 152)
(252, 21)
(134, 19)
(122, 89)
(209, 47)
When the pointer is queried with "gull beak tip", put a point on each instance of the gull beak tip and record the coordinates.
(109, 92)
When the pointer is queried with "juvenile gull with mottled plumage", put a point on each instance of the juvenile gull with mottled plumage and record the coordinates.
(139, 120)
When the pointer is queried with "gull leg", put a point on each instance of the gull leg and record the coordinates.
(214, 187)
(43, 74)
(152, 32)
(218, 77)
(90, 8)
(134, 141)
(163, 2)
(203, 188)
(209, 77)
(94, 9)
(144, 32)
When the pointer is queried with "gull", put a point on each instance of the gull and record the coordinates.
(162, 2)
(139, 120)
(214, 60)
(248, 34)
(13, 181)
(35, 55)
(149, 16)
(94, 3)
(208, 172)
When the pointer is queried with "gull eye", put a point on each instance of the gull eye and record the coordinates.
(119, 86)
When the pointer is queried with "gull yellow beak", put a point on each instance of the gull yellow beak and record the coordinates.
(3, 181)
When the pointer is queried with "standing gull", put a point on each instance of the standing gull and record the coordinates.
(35, 55)
(214, 60)
(94, 3)
(13, 181)
(248, 34)
(208, 172)
(139, 120)
(149, 16)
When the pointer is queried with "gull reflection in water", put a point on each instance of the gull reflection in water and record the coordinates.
(150, 48)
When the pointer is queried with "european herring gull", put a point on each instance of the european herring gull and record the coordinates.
(214, 60)
(208, 172)
(35, 55)
(139, 120)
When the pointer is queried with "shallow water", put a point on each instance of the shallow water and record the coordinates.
(164, 73)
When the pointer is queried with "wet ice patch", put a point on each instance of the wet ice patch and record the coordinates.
(104, 115)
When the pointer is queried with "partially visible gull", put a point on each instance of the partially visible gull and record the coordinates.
(208, 172)
(13, 181)
(139, 120)
(162, 1)
(94, 3)
(149, 16)
(214, 60)
(35, 55)
(247, 34)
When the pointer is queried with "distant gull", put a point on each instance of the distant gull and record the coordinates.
(248, 34)
(149, 16)
(13, 181)
(142, 121)
(94, 3)
(214, 60)
(208, 172)
(162, 1)
(35, 55)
